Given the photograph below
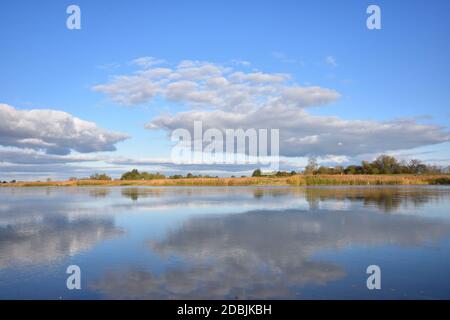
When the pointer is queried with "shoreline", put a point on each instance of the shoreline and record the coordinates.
(295, 180)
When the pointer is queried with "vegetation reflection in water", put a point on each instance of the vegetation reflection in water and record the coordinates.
(244, 242)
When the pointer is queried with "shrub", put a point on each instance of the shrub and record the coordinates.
(100, 176)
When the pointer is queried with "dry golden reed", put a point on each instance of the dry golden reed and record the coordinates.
(296, 180)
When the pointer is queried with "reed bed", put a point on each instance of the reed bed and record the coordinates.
(359, 180)
(296, 180)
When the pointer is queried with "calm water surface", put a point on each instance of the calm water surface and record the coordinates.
(225, 243)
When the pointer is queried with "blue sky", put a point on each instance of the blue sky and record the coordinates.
(399, 72)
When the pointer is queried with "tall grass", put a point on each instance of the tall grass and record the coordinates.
(297, 180)
(360, 180)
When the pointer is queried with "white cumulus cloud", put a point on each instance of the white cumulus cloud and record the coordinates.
(55, 132)
(227, 98)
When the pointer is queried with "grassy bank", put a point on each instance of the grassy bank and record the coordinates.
(297, 180)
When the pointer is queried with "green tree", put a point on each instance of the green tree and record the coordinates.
(386, 164)
(136, 175)
(257, 173)
(324, 170)
(369, 168)
(352, 169)
(131, 175)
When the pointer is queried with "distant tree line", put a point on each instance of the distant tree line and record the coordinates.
(136, 175)
(384, 164)
(258, 173)
(12, 181)
(190, 176)
(99, 176)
